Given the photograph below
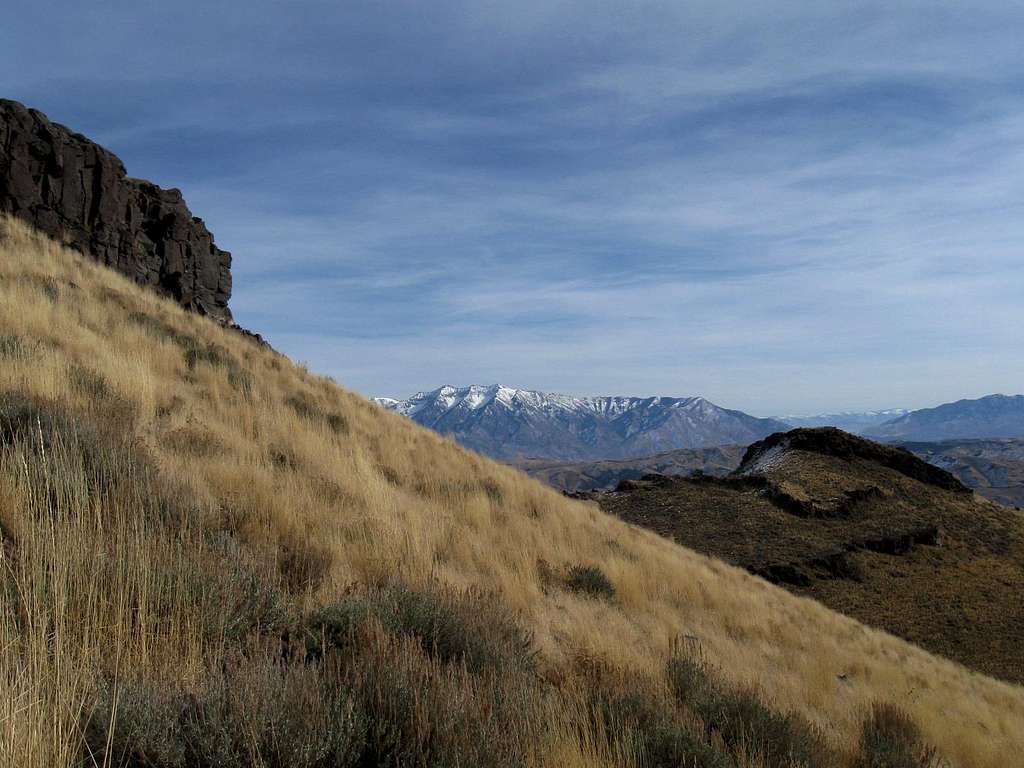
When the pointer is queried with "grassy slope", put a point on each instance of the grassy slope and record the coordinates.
(322, 489)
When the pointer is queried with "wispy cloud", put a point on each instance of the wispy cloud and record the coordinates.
(784, 209)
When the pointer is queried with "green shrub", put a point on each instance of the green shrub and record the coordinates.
(211, 354)
(46, 285)
(383, 703)
(23, 418)
(589, 580)
(422, 712)
(90, 383)
(337, 423)
(45, 429)
(248, 712)
(242, 599)
(14, 347)
(306, 407)
(91, 454)
(241, 381)
(891, 739)
(160, 329)
(136, 724)
(744, 722)
(264, 713)
(338, 626)
(197, 352)
(648, 725)
(468, 628)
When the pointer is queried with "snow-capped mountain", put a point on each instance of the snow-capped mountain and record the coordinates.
(507, 423)
(857, 422)
(991, 416)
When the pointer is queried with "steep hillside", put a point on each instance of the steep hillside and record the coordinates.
(991, 416)
(576, 476)
(867, 529)
(508, 423)
(212, 557)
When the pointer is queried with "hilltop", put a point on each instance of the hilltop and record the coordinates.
(509, 423)
(870, 530)
(212, 556)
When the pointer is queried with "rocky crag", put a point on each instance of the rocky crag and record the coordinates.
(78, 192)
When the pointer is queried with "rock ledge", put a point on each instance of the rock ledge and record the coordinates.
(76, 191)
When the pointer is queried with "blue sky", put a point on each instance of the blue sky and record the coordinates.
(784, 207)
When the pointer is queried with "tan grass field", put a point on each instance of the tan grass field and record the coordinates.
(324, 489)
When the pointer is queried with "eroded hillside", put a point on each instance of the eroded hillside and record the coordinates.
(869, 530)
(213, 557)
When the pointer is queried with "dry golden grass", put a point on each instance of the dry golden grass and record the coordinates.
(329, 490)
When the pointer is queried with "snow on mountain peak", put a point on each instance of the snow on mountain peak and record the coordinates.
(506, 421)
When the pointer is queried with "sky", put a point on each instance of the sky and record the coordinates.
(788, 208)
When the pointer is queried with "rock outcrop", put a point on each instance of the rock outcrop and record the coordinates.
(78, 192)
(829, 441)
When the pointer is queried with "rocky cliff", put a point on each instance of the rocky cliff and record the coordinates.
(78, 192)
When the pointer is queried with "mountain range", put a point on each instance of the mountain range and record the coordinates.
(516, 424)
(992, 416)
(508, 423)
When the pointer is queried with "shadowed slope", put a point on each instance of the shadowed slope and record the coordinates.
(867, 529)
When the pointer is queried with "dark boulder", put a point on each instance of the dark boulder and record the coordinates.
(76, 191)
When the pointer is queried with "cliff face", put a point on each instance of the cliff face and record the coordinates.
(78, 192)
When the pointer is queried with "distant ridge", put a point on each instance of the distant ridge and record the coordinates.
(993, 467)
(855, 422)
(992, 416)
(508, 423)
